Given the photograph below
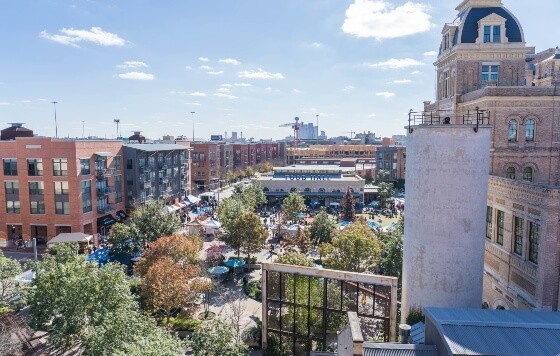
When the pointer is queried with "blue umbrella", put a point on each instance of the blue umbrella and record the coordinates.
(373, 224)
(344, 223)
(234, 262)
(100, 256)
(373, 204)
(218, 270)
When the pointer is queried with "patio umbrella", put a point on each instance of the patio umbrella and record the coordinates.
(373, 204)
(218, 270)
(234, 262)
(373, 224)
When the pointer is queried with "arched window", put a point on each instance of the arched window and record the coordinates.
(265, 189)
(293, 190)
(530, 130)
(512, 131)
(528, 174)
(321, 190)
(510, 172)
(500, 307)
(307, 190)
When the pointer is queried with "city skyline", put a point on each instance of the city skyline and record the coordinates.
(245, 67)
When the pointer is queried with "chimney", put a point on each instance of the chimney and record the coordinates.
(404, 333)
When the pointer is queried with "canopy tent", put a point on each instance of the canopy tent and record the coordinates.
(293, 229)
(101, 256)
(344, 223)
(334, 204)
(373, 225)
(172, 208)
(26, 277)
(192, 199)
(373, 204)
(67, 237)
(218, 270)
(212, 226)
(195, 227)
(314, 204)
(235, 262)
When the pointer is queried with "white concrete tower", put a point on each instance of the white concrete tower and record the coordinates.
(447, 168)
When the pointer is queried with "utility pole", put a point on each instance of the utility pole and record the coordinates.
(117, 121)
(192, 114)
(55, 123)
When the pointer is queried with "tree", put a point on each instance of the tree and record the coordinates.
(91, 308)
(245, 233)
(368, 178)
(386, 190)
(295, 258)
(215, 338)
(354, 249)
(9, 286)
(249, 171)
(181, 249)
(251, 196)
(230, 208)
(230, 176)
(300, 240)
(391, 258)
(293, 204)
(168, 286)
(348, 206)
(123, 241)
(265, 167)
(322, 228)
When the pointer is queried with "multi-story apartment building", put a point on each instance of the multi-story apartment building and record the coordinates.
(156, 171)
(52, 186)
(484, 64)
(206, 166)
(391, 159)
(330, 151)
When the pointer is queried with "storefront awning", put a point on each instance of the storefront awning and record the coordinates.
(106, 220)
(121, 215)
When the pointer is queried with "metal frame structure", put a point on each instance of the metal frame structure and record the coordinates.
(476, 117)
(327, 297)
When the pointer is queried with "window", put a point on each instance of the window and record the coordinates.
(36, 188)
(518, 235)
(37, 207)
(130, 179)
(533, 242)
(118, 191)
(510, 173)
(512, 131)
(489, 73)
(487, 30)
(84, 167)
(12, 207)
(489, 222)
(12, 188)
(35, 167)
(500, 227)
(61, 188)
(10, 167)
(530, 130)
(129, 163)
(86, 196)
(528, 174)
(117, 163)
(62, 208)
(496, 37)
(60, 167)
(446, 85)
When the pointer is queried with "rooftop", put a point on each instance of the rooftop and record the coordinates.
(154, 147)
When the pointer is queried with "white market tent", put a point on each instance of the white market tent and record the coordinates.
(212, 226)
(192, 199)
(67, 237)
(26, 277)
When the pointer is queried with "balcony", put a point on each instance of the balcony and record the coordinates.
(163, 180)
(102, 173)
(147, 184)
(162, 165)
(105, 209)
(144, 168)
(184, 161)
(104, 191)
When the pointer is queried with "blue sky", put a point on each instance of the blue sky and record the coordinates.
(244, 65)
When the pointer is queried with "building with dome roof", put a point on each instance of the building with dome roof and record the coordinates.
(485, 65)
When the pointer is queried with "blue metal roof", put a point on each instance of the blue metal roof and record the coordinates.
(470, 24)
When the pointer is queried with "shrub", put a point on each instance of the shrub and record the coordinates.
(184, 324)
(415, 316)
(5, 310)
(250, 260)
(253, 290)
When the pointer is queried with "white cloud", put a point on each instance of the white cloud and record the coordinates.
(401, 81)
(217, 72)
(242, 85)
(223, 90)
(197, 93)
(132, 64)
(43, 100)
(137, 76)
(385, 94)
(430, 54)
(259, 74)
(4, 103)
(222, 95)
(203, 59)
(205, 67)
(71, 37)
(381, 20)
(188, 67)
(348, 88)
(372, 115)
(226, 85)
(317, 45)
(174, 92)
(415, 72)
(194, 104)
(296, 91)
(395, 63)
(231, 61)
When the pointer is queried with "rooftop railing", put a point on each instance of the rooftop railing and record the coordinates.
(475, 117)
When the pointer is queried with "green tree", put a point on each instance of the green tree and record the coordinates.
(391, 258)
(293, 204)
(322, 228)
(295, 258)
(215, 338)
(348, 206)
(299, 241)
(124, 241)
(368, 178)
(9, 286)
(252, 196)
(91, 308)
(230, 176)
(354, 249)
(245, 233)
(386, 189)
(249, 171)
(229, 210)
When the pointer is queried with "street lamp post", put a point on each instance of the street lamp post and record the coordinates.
(192, 115)
(55, 123)
(117, 121)
(317, 137)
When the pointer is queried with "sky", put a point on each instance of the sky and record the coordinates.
(245, 65)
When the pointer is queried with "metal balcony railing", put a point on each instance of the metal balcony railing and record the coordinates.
(147, 184)
(105, 209)
(104, 191)
(102, 173)
(475, 117)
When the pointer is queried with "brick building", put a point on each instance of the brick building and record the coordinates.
(484, 64)
(205, 167)
(330, 151)
(392, 159)
(51, 186)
